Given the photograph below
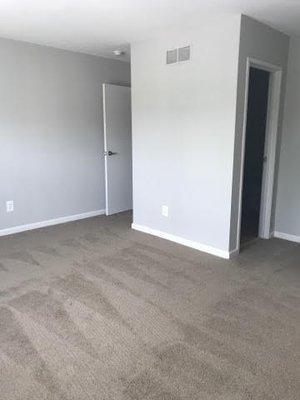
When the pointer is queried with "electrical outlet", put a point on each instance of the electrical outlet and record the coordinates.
(9, 206)
(165, 211)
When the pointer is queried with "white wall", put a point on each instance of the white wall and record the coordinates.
(187, 127)
(265, 44)
(51, 135)
(183, 131)
(288, 196)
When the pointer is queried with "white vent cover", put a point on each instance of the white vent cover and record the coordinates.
(178, 55)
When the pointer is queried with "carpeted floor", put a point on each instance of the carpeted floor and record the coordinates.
(95, 310)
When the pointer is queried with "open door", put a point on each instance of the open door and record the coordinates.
(255, 153)
(117, 148)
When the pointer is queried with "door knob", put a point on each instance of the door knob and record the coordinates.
(110, 153)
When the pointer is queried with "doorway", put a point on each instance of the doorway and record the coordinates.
(254, 159)
(258, 151)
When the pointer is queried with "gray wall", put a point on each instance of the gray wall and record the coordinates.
(51, 135)
(266, 44)
(183, 130)
(288, 195)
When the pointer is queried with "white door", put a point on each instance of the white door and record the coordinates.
(117, 148)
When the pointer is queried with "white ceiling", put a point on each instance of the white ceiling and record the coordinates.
(99, 26)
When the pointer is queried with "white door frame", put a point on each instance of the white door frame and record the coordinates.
(270, 146)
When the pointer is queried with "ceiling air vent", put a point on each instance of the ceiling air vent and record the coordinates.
(181, 54)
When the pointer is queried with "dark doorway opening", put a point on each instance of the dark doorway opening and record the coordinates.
(258, 93)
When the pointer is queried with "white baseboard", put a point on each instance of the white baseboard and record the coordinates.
(49, 222)
(287, 236)
(185, 242)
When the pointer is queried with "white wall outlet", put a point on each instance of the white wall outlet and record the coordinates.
(165, 211)
(9, 206)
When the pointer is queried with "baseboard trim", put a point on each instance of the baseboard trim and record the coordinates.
(180, 240)
(50, 222)
(287, 236)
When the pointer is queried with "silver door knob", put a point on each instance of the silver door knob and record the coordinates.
(110, 153)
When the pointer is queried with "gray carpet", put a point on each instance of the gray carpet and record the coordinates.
(95, 310)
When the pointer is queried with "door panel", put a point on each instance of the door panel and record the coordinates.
(254, 152)
(117, 147)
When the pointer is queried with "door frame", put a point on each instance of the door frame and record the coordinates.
(270, 146)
